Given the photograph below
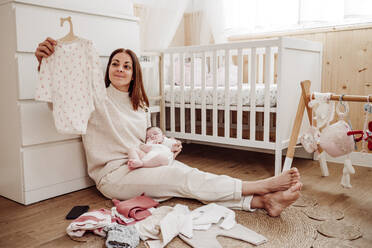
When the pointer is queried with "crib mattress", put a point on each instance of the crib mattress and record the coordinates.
(246, 99)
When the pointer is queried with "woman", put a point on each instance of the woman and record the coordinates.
(120, 123)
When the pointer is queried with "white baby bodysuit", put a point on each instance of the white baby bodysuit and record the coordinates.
(71, 78)
(164, 148)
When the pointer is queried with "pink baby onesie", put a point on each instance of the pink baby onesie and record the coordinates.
(135, 209)
(71, 78)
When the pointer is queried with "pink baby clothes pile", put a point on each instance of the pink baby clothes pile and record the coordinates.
(93, 221)
(133, 210)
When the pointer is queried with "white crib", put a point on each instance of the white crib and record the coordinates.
(252, 108)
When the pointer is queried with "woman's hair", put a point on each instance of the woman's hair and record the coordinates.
(136, 90)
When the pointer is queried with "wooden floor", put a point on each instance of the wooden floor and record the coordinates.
(43, 224)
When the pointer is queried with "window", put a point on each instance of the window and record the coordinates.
(260, 16)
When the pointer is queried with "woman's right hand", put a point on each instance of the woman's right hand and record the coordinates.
(45, 49)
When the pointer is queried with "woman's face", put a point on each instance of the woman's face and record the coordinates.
(121, 71)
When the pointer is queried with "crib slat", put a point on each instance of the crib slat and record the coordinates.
(203, 110)
(172, 81)
(239, 106)
(182, 80)
(192, 99)
(215, 111)
(227, 93)
(252, 79)
(161, 89)
(268, 81)
(260, 67)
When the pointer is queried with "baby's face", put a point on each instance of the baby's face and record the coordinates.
(154, 136)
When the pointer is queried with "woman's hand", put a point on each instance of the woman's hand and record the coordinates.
(176, 148)
(45, 49)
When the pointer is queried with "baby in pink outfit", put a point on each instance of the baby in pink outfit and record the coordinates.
(156, 151)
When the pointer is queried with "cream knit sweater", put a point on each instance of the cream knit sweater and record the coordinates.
(113, 128)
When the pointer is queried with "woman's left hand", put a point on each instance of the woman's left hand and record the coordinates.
(176, 148)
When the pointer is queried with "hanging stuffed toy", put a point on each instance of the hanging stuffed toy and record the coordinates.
(334, 139)
(323, 113)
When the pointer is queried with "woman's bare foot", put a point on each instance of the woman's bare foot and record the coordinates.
(277, 183)
(275, 203)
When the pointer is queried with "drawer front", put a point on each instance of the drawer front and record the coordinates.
(34, 24)
(37, 124)
(28, 75)
(53, 164)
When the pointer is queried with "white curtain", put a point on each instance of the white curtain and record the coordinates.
(159, 22)
(207, 18)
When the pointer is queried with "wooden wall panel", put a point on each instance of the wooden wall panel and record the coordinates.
(347, 66)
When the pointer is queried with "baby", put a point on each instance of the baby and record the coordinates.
(156, 151)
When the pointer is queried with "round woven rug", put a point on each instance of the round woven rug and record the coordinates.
(305, 201)
(323, 213)
(339, 229)
(291, 229)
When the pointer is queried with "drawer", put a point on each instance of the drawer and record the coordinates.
(34, 24)
(53, 164)
(37, 124)
(28, 75)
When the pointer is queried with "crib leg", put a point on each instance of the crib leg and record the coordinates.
(278, 161)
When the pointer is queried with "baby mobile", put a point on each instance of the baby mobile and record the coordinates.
(337, 139)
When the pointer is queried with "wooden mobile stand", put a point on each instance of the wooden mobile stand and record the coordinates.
(304, 103)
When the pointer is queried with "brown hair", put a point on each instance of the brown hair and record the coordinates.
(136, 90)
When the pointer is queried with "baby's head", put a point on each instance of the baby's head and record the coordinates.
(154, 135)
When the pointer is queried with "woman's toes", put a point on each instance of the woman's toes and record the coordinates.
(296, 187)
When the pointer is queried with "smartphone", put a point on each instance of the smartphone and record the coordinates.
(76, 212)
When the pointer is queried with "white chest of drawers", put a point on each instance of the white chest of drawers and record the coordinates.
(36, 162)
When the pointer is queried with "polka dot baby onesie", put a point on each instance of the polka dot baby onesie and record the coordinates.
(72, 79)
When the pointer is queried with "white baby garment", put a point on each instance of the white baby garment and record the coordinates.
(71, 78)
(164, 148)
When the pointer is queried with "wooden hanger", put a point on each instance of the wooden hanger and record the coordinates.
(70, 36)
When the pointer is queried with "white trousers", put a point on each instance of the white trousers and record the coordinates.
(176, 180)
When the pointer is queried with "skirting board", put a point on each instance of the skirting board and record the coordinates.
(357, 158)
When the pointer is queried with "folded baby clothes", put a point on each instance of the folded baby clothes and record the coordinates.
(207, 238)
(93, 221)
(119, 236)
(203, 217)
(121, 219)
(136, 208)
